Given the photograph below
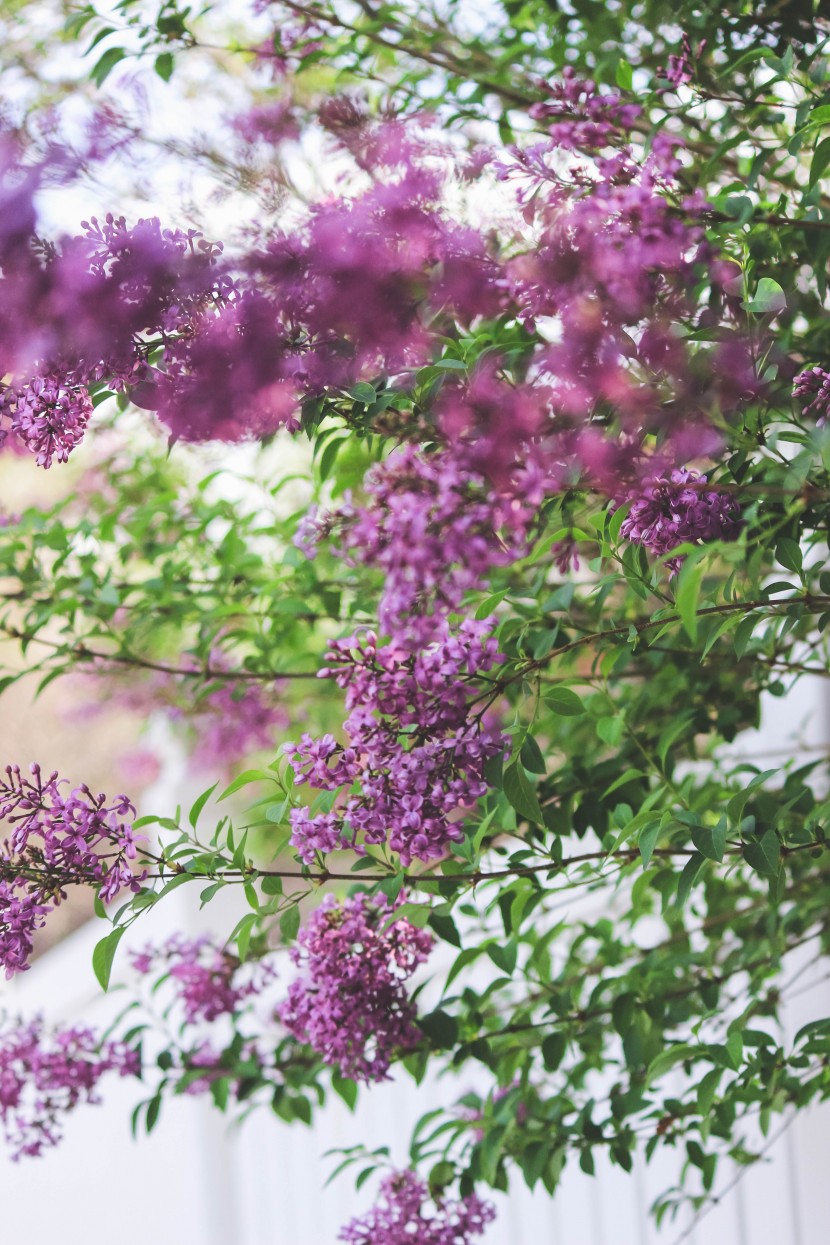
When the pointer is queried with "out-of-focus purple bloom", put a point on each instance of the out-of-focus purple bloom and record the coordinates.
(208, 980)
(46, 1073)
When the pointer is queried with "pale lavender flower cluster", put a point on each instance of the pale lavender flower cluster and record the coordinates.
(670, 512)
(415, 749)
(45, 1073)
(350, 1004)
(407, 1215)
(208, 980)
(56, 841)
(814, 383)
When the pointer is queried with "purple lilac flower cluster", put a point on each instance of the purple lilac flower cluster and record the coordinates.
(48, 416)
(669, 512)
(349, 1003)
(208, 980)
(435, 530)
(581, 117)
(82, 313)
(680, 68)
(814, 384)
(407, 1215)
(414, 748)
(368, 284)
(57, 840)
(45, 1073)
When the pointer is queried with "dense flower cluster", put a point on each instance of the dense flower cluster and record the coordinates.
(414, 747)
(57, 840)
(406, 1215)
(45, 1073)
(814, 384)
(580, 116)
(369, 284)
(208, 980)
(435, 530)
(48, 416)
(669, 512)
(350, 1004)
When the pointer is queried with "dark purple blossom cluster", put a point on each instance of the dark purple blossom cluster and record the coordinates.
(45, 1073)
(670, 512)
(349, 1003)
(208, 980)
(415, 749)
(56, 840)
(407, 1215)
(814, 384)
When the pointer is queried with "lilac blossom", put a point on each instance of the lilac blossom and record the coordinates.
(407, 1215)
(414, 749)
(56, 840)
(670, 512)
(207, 979)
(48, 416)
(435, 529)
(349, 1003)
(579, 116)
(45, 1073)
(814, 383)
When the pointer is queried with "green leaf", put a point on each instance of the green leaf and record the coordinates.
(667, 1059)
(820, 161)
(440, 1028)
(646, 842)
(624, 75)
(245, 779)
(445, 928)
(710, 841)
(553, 1050)
(788, 553)
(520, 793)
(363, 392)
(199, 804)
(163, 66)
(769, 298)
(290, 924)
(687, 878)
(564, 702)
(764, 854)
(345, 1089)
(103, 67)
(531, 756)
(104, 954)
(504, 956)
(688, 592)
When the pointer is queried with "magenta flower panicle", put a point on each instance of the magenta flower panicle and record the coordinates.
(56, 840)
